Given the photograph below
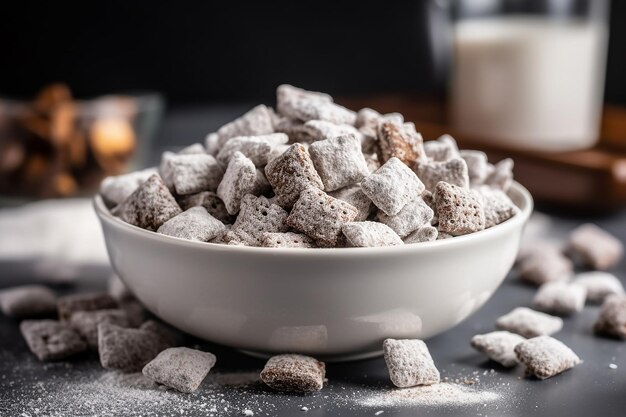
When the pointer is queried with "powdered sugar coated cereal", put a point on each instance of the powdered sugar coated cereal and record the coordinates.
(529, 323)
(339, 161)
(409, 363)
(370, 234)
(193, 224)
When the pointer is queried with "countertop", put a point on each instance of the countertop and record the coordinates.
(476, 386)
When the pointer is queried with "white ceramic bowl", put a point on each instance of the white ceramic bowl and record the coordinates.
(332, 303)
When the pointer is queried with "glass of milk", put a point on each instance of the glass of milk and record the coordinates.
(529, 74)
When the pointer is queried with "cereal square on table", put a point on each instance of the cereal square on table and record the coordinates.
(612, 318)
(409, 363)
(51, 340)
(149, 206)
(257, 121)
(370, 234)
(545, 357)
(86, 323)
(499, 346)
(392, 186)
(290, 173)
(561, 298)
(257, 217)
(453, 171)
(239, 179)
(294, 373)
(459, 210)
(597, 248)
(413, 216)
(320, 216)
(193, 224)
(180, 368)
(547, 265)
(529, 323)
(28, 301)
(400, 141)
(339, 161)
(599, 285)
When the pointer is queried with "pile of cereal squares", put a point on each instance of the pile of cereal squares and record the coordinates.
(314, 174)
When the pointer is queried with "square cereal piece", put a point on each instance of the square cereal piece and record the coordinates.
(370, 234)
(117, 188)
(321, 129)
(497, 206)
(370, 118)
(86, 323)
(339, 161)
(193, 224)
(529, 323)
(294, 373)
(193, 173)
(413, 216)
(595, 246)
(400, 141)
(477, 166)
(308, 105)
(211, 143)
(544, 266)
(355, 196)
(69, 304)
(166, 169)
(320, 216)
(599, 285)
(545, 357)
(560, 298)
(287, 240)
(239, 179)
(51, 340)
(294, 129)
(257, 121)
(422, 234)
(290, 173)
(452, 171)
(409, 363)
(180, 368)
(392, 186)
(499, 346)
(501, 176)
(442, 149)
(256, 148)
(612, 318)
(149, 206)
(195, 148)
(210, 201)
(257, 217)
(459, 210)
(128, 350)
(28, 301)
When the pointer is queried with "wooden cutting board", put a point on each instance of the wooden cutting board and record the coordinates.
(592, 179)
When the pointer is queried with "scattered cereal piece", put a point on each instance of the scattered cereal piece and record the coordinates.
(239, 180)
(409, 363)
(291, 173)
(497, 206)
(256, 218)
(392, 186)
(370, 234)
(51, 340)
(69, 304)
(257, 121)
(287, 240)
(529, 323)
(320, 130)
(545, 266)
(127, 350)
(442, 149)
(545, 357)
(412, 216)
(599, 285)
(612, 318)
(86, 323)
(339, 161)
(210, 201)
(306, 105)
(28, 301)
(400, 141)
(476, 166)
(499, 346)
(149, 206)
(294, 373)
(452, 171)
(193, 224)
(597, 248)
(422, 234)
(195, 148)
(502, 175)
(320, 216)
(561, 298)
(193, 173)
(118, 290)
(256, 148)
(180, 368)
(459, 209)
(355, 196)
(117, 188)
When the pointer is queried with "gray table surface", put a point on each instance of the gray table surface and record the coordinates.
(81, 387)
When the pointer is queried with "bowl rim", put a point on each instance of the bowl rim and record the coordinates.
(517, 192)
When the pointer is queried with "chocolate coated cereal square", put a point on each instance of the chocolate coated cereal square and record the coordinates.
(193, 224)
(28, 301)
(294, 373)
(499, 346)
(339, 161)
(180, 368)
(370, 234)
(545, 357)
(459, 210)
(51, 340)
(529, 323)
(409, 363)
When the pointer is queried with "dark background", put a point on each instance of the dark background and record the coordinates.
(233, 50)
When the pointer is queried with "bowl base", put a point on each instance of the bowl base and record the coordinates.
(325, 358)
